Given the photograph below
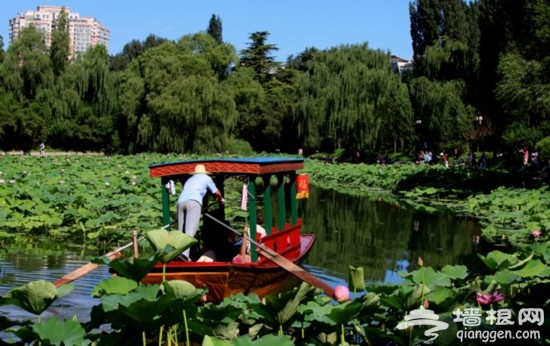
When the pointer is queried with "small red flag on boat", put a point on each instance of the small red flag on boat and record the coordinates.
(302, 186)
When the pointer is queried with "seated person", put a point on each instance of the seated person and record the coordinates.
(218, 243)
(260, 232)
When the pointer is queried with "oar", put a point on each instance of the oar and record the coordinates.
(284, 263)
(89, 267)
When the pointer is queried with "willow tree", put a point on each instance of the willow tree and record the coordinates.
(186, 108)
(25, 73)
(445, 117)
(349, 94)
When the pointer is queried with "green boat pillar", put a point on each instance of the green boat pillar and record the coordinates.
(281, 200)
(166, 218)
(252, 217)
(268, 212)
(293, 200)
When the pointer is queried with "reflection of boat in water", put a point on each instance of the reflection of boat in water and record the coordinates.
(273, 257)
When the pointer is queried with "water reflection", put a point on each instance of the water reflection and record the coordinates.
(384, 238)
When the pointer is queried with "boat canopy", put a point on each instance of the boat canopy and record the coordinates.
(284, 169)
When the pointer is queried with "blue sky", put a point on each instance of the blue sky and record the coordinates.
(294, 25)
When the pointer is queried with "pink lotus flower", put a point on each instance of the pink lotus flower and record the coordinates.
(341, 294)
(536, 234)
(488, 298)
(420, 261)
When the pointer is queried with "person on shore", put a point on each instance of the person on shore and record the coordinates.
(190, 201)
(42, 147)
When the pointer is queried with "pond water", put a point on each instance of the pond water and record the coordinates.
(383, 238)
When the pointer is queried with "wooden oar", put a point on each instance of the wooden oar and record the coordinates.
(89, 267)
(284, 263)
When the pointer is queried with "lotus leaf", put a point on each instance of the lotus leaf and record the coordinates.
(455, 271)
(429, 277)
(533, 268)
(498, 260)
(36, 296)
(56, 332)
(182, 289)
(178, 240)
(132, 268)
(114, 285)
(343, 313)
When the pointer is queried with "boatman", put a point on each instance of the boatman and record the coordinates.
(190, 201)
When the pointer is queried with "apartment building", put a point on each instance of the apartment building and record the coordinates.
(84, 32)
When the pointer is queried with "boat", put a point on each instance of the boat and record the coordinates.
(274, 259)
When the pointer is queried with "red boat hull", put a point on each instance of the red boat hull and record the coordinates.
(223, 279)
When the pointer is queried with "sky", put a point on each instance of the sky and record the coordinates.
(293, 25)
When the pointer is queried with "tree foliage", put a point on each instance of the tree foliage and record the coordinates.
(350, 94)
(215, 29)
(196, 94)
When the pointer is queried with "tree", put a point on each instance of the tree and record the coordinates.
(59, 49)
(358, 100)
(173, 100)
(258, 56)
(133, 50)
(215, 29)
(1, 49)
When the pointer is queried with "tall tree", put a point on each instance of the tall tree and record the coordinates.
(358, 101)
(25, 75)
(174, 101)
(59, 49)
(215, 29)
(1, 49)
(258, 56)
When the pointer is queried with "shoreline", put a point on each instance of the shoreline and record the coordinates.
(50, 153)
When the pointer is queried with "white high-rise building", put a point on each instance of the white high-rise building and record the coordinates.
(84, 32)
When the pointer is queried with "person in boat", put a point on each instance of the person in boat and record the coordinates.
(244, 255)
(190, 201)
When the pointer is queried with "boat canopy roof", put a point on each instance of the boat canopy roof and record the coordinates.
(235, 166)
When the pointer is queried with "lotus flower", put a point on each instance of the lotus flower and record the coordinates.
(341, 294)
(536, 234)
(488, 298)
(420, 261)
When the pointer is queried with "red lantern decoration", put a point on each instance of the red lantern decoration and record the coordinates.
(302, 186)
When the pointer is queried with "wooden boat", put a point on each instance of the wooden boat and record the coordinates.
(276, 180)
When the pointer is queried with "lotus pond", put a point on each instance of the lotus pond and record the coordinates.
(60, 212)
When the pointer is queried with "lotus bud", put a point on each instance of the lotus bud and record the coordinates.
(341, 294)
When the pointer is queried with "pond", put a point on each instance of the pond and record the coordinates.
(383, 238)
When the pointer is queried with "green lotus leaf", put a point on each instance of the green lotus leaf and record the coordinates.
(498, 260)
(344, 313)
(132, 268)
(429, 277)
(114, 301)
(34, 297)
(56, 332)
(440, 295)
(146, 311)
(114, 285)
(502, 277)
(455, 271)
(182, 289)
(533, 268)
(178, 240)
